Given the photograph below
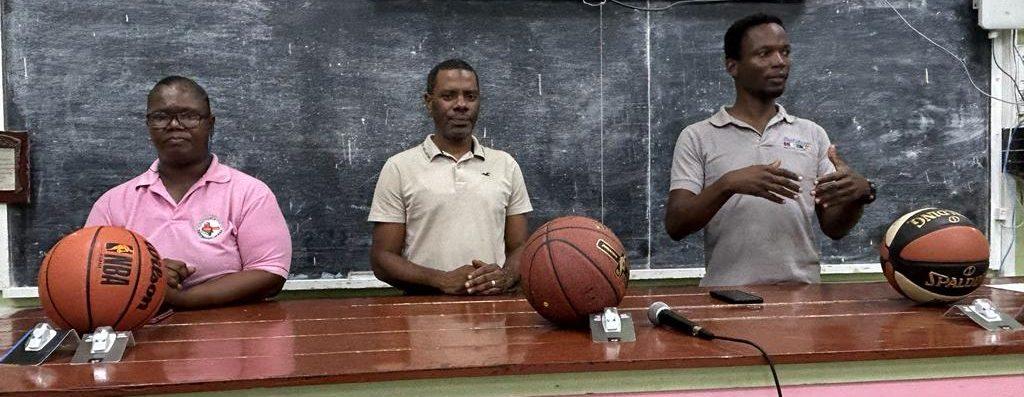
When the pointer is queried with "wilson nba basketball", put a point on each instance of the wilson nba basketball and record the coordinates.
(934, 255)
(572, 267)
(101, 276)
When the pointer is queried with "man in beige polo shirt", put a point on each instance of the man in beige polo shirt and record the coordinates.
(450, 214)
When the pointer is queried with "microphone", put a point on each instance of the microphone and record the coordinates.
(659, 313)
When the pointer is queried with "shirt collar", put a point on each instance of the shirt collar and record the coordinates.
(217, 173)
(431, 150)
(722, 118)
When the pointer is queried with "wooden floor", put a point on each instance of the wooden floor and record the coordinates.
(390, 338)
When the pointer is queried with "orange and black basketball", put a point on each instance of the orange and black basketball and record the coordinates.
(101, 276)
(572, 267)
(934, 255)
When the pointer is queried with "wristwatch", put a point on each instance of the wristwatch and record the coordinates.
(870, 196)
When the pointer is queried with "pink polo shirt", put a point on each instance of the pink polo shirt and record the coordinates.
(227, 222)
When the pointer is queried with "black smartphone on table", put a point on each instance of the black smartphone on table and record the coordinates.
(736, 296)
(161, 316)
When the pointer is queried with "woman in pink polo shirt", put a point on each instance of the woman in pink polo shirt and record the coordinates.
(221, 233)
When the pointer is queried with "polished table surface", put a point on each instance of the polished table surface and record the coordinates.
(316, 341)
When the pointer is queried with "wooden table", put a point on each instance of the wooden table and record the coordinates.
(822, 333)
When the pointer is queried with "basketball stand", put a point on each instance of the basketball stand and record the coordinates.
(38, 344)
(984, 313)
(612, 326)
(104, 345)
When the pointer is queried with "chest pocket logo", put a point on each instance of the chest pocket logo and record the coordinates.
(209, 227)
(796, 144)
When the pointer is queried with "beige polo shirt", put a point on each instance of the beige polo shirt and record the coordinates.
(751, 240)
(453, 209)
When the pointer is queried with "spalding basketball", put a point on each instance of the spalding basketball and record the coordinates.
(101, 276)
(934, 255)
(572, 267)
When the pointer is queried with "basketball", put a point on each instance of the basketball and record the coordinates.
(101, 276)
(934, 255)
(572, 267)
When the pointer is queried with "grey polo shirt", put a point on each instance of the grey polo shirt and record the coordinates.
(453, 209)
(752, 240)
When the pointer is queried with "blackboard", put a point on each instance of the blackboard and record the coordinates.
(313, 97)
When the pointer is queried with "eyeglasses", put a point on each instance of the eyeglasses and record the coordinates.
(185, 119)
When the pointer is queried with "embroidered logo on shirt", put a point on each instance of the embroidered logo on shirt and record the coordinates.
(486, 173)
(209, 227)
(795, 144)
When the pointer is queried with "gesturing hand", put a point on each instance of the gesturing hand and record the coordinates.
(771, 182)
(841, 187)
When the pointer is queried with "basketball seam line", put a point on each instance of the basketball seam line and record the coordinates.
(530, 297)
(897, 245)
(554, 270)
(583, 254)
(609, 234)
(135, 290)
(50, 295)
(896, 249)
(530, 272)
(543, 245)
(88, 276)
(908, 262)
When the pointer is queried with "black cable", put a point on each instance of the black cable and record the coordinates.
(963, 63)
(1017, 51)
(659, 313)
(995, 60)
(767, 358)
(1013, 45)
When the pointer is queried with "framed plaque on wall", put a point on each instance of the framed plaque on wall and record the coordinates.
(14, 181)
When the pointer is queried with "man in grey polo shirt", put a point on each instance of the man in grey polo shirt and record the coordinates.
(755, 177)
(448, 211)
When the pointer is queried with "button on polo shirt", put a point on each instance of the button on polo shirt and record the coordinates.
(454, 209)
(752, 240)
(227, 221)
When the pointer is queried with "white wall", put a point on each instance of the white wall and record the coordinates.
(1003, 223)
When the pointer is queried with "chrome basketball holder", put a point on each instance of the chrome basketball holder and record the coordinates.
(38, 344)
(104, 345)
(612, 326)
(985, 313)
